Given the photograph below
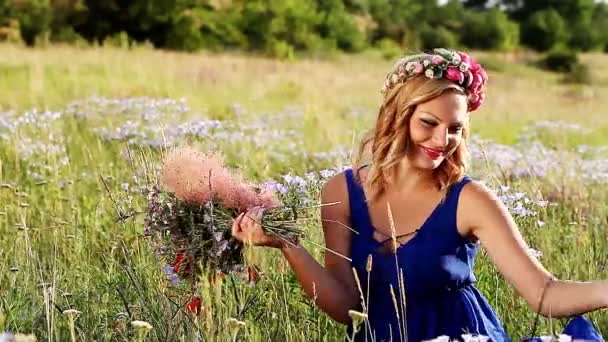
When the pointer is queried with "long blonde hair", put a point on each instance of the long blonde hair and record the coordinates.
(389, 140)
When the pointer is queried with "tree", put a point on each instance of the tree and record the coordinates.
(544, 29)
(490, 29)
(395, 18)
(34, 18)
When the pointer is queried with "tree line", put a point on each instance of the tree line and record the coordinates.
(285, 27)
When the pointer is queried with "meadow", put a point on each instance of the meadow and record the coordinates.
(82, 132)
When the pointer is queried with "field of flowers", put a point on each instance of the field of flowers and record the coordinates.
(74, 176)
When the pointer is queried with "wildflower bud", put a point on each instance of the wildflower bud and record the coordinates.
(71, 312)
(368, 265)
(141, 329)
(357, 317)
(14, 269)
(234, 325)
(141, 325)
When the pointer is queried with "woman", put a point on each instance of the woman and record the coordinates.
(418, 220)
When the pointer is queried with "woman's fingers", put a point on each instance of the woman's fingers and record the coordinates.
(247, 227)
(237, 230)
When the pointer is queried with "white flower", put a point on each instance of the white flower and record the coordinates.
(8, 337)
(456, 59)
(535, 253)
(442, 338)
(564, 338)
(141, 325)
(71, 312)
(357, 317)
(475, 338)
(429, 73)
(410, 66)
(464, 67)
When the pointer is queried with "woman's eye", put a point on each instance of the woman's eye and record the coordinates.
(428, 123)
(455, 130)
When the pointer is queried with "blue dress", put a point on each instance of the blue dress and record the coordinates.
(437, 266)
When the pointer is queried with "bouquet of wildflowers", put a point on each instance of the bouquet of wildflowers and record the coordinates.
(190, 214)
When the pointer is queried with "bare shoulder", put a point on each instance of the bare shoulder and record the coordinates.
(477, 206)
(334, 197)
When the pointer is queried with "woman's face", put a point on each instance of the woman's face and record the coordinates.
(436, 130)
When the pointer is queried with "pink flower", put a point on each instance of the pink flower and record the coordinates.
(418, 69)
(475, 100)
(469, 79)
(483, 74)
(453, 74)
(436, 59)
(477, 81)
(197, 177)
(464, 58)
(475, 67)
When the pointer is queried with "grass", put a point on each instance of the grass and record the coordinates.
(67, 249)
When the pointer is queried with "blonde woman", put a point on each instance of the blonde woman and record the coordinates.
(421, 283)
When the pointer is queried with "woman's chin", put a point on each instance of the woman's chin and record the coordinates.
(425, 163)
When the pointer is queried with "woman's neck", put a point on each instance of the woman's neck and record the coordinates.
(408, 178)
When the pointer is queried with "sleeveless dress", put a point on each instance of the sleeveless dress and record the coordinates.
(436, 265)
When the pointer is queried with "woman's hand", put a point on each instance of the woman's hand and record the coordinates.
(247, 228)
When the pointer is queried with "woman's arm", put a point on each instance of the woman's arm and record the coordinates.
(332, 287)
(487, 218)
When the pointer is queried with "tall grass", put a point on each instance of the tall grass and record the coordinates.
(65, 246)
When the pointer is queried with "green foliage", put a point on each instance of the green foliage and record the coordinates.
(585, 37)
(339, 26)
(436, 37)
(572, 11)
(68, 35)
(544, 30)
(491, 30)
(394, 18)
(291, 21)
(599, 24)
(560, 59)
(119, 40)
(34, 18)
(389, 48)
(580, 74)
(284, 28)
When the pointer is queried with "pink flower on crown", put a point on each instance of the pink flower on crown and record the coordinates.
(477, 81)
(469, 79)
(475, 67)
(475, 101)
(453, 74)
(436, 59)
(418, 69)
(464, 58)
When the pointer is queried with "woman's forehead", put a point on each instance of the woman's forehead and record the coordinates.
(447, 107)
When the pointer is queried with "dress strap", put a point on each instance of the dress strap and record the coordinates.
(450, 206)
(455, 190)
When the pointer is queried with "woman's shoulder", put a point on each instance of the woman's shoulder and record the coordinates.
(477, 199)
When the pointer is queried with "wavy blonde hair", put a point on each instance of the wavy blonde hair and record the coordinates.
(389, 140)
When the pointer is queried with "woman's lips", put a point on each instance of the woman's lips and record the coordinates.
(432, 153)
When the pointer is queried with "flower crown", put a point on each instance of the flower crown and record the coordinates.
(455, 66)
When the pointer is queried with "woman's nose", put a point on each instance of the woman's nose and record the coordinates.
(440, 137)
